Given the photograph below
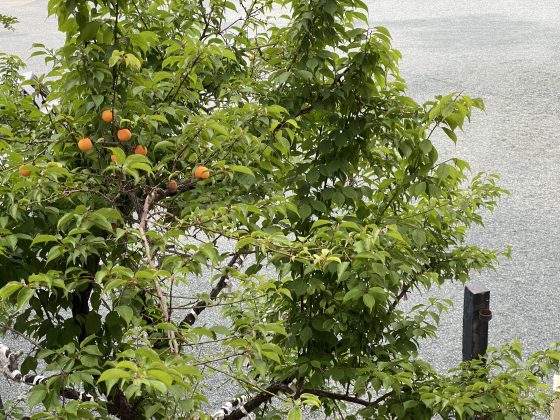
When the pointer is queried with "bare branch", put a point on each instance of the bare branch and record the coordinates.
(156, 195)
(347, 398)
(199, 306)
(244, 408)
(6, 327)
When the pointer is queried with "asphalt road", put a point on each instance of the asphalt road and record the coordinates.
(505, 51)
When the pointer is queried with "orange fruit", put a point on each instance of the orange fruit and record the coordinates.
(201, 172)
(124, 134)
(23, 171)
(107, 115)
(114, 158)
(141, 150)
(172, 186)
(85, 144)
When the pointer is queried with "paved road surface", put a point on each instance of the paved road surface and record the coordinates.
(507, 52)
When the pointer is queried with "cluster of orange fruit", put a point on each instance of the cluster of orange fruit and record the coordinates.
(123, 134)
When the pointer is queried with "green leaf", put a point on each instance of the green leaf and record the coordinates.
(119, 154)
(272, 356)
(89, 31)
(164, 144)
(306, 334)
(319, 223)
(245, 242)
(353, 294)
(277, 328)
(379, 293)
(191, 371)
(132, 61)
(165, 326)
(23, 296)
(450, 134)
(295, 414)
(114, 373)
(9, 289)
(242, 169)
(99, 220)
(341, 268)
(125, 312)
(115, 58)
(229, 54)
(158, 385)
(369, 301)
(36, 396)
(282, 77)
(419, 237)
(39, 239)
(161, 376)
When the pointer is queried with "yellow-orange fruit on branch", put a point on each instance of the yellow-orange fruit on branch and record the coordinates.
(172, 186)
(201, 172)
(23, 171)
(141, 150)
(85, 144)
(114, 158)
(107, 115)
(124, 134)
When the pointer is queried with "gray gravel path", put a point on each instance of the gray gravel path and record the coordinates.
(507, 52)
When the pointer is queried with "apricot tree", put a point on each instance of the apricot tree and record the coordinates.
(254, 159)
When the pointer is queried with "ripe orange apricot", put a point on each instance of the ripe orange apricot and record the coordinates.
(114, 158)
(201, 172)
(124, 134)
(85, 144)
(141, 150)
(172, 186)
(23, 171)
(107, 115)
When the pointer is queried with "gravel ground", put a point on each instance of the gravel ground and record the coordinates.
(505, 51)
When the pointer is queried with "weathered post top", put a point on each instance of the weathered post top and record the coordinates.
(476, 314)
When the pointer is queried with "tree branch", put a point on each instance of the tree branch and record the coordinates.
(244, 408)
(347, 398)
(200, 305)
(11, 371)
(6, 327)
(156, 195)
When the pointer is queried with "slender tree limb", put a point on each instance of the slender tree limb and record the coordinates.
(347, 398)
(243, 406)
(251, 405)
(200, 305)
(399, 297)
(156, 195)
(6, 327)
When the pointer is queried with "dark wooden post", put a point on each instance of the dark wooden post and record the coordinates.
(476, 314)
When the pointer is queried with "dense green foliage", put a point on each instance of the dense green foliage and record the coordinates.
(7, 22)
(321, 169)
